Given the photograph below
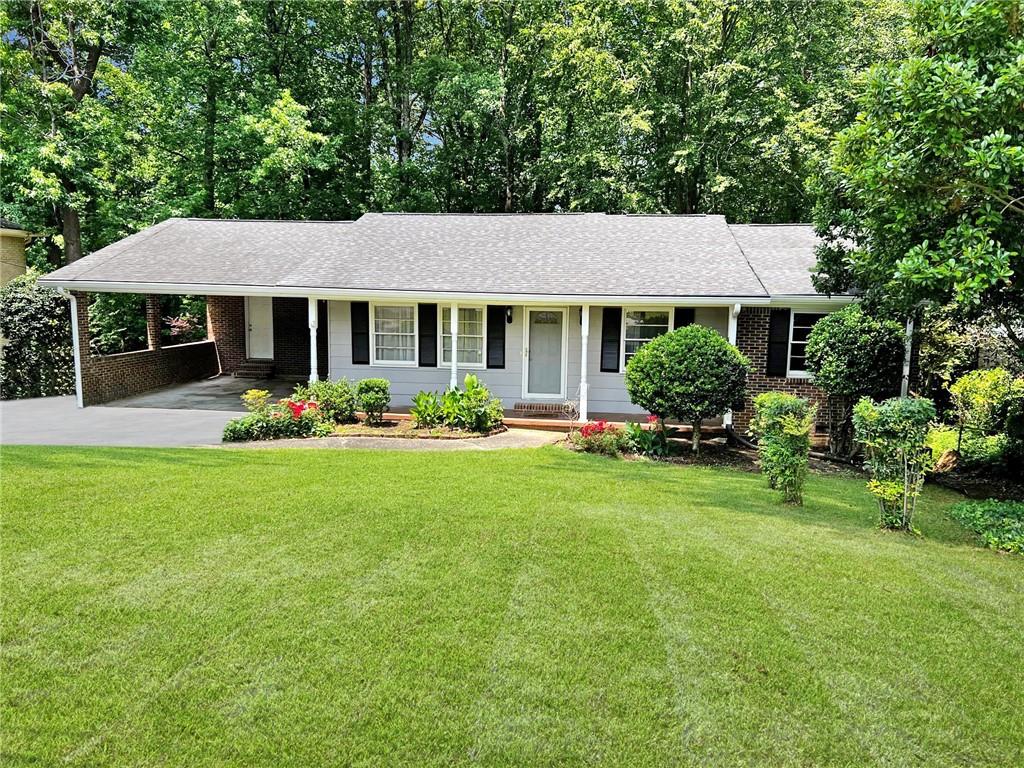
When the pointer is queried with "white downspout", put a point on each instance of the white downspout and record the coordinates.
(453, 324)
(314, 321)
(79, 400)
(734, 314)
(908, 350)
(584, 336)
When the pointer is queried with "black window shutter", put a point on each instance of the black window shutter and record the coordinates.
(778, 342)
(360, 333)
(495, 336)
(611, 329)
(428, 335)
(684, 316)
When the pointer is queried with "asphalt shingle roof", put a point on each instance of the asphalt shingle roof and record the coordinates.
(529, 254)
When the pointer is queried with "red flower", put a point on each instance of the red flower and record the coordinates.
(592, 428)
(652, 419)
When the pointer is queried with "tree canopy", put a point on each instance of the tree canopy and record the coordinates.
(923, 200)
(117, 114)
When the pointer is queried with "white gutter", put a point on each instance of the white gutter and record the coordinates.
(365, 294)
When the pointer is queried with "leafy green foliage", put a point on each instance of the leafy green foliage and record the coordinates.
(472, 408)
(922, 199)
(288, 418)
(783, 424)
(37, 359)
(324, 110)
(977, 452)
(336, 399)
(426, 410)
(999, 523)
(652, 441)
(689, 374)
(373, 397)
(981, 399)
(894, 433)
(850, 355)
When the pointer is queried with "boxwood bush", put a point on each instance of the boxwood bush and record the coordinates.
(689, 374)
(783, 424)
(336, 399)
(373, 397)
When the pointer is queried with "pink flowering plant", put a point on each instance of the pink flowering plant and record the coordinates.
(600, 437)
(288, 417)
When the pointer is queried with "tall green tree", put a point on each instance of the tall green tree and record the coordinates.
(922, 199)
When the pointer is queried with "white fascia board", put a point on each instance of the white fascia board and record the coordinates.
(811, 302)
(424, 296)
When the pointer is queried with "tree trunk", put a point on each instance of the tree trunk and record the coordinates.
(696, 438)
(72, 231)
(209, 138)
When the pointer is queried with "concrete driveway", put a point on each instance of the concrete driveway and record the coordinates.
(57, 421)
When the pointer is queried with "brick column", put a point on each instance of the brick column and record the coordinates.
(153, 321)
(225, 324)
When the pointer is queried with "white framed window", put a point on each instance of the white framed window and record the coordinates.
(472, 336)
(800, 324)
(640, 326)
(393, 328)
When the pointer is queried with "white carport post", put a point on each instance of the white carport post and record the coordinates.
(314, 321)
(79, 401)
(734, 315)
(584, 335)
(453, 325)
(907, 354)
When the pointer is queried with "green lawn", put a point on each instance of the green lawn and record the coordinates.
(238, 607)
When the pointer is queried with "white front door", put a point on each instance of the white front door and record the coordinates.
(544, 340)
(259, 322)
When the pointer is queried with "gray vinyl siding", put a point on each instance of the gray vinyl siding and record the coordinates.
(607, 390)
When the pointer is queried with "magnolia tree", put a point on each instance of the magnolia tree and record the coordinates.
(852, 355)
(923, 200)
(690, 374)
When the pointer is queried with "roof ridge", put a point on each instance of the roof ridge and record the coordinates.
(750, 266)
(269, 221)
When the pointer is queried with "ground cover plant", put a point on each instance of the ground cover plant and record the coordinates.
(999, 523)
(542, 607)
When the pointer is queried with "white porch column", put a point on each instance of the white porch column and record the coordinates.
(314, 321)
(79, 401)
(584, 335)
(907, 352)
(453, 325)
(734, 315)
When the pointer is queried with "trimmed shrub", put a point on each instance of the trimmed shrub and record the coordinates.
(976, 451)
(471, 408)
(689, 374)
(373, 397)
(336, 399)
(894, 434)
(600, 437)
(783, 424)
(426, 410)
(999, 523)
(35, 323)
(852, 355)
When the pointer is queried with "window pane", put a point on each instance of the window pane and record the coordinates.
(471, 335)
(641, 327)
(394, 333)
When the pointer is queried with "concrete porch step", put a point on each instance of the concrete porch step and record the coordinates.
(255, 369)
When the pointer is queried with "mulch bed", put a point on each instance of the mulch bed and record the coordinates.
(976, 485)
(405, 429)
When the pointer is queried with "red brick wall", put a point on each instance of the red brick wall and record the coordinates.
(111, 377)
(225, 325)
(291, 337)
(752, 340)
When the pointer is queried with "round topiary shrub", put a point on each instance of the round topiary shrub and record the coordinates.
(690, 374)
(852, 355)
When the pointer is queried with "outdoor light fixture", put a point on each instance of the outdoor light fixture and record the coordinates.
(508, 315)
